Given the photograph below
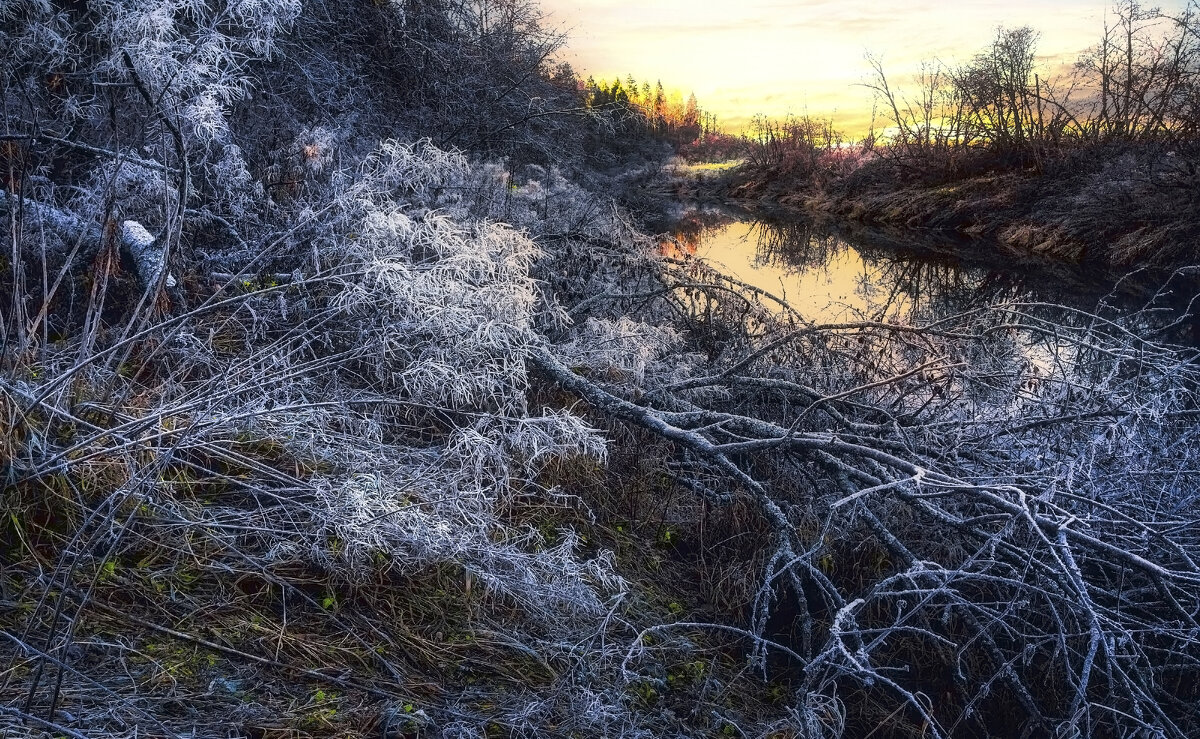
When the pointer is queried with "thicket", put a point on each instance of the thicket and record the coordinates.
(799, 149)
(1118, 129)
(332, 402)
(1136, 88)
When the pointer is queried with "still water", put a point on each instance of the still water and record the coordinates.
(1024, 332)
(840, 284)
(829, 273)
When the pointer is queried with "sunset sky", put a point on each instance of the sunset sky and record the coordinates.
(779, 56)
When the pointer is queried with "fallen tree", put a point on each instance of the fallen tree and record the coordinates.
(1022, 495)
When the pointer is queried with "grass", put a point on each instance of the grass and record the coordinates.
(182, 623)
(1113, 207)
(705, 167)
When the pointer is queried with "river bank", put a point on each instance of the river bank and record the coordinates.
(785, 248)
(1112, 209)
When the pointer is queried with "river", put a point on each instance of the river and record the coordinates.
(834, 272)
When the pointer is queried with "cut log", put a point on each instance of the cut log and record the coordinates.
(140, 245)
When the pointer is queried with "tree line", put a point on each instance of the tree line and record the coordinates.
(652, 108)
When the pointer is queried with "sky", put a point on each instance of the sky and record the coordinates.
(743, 57)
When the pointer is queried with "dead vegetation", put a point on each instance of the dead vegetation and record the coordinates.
(309, 430)
(1097, 166)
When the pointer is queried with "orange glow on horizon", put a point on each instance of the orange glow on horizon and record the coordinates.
(801, 56)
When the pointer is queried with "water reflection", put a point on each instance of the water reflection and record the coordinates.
(829, 274)
(821, 276)
(832, 275)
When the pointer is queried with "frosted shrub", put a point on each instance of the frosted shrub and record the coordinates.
(428, 507)
(192, 46)
(434, 315)
(340, 393)
(541, 200)
(538, 439)
(190, 56)
(414, 169)
(447, 309)
(35, 31)
(623, 347)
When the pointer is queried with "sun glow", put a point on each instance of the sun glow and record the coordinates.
(801, 56)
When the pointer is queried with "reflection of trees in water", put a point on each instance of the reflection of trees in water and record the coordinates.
(795, 245)
(691, 230)
(907, 278)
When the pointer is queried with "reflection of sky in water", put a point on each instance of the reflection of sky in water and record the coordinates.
(831, 290)
(842, 285)
(829, 280)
